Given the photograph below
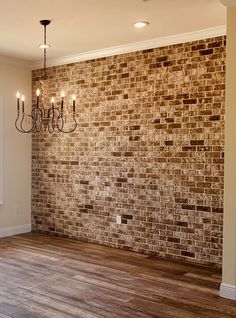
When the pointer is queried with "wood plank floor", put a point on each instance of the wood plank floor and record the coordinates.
(42, 276)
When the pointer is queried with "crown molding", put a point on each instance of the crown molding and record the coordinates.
(15, 61)
(137, 46)
(228, 3)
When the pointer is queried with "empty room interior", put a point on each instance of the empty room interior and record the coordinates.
(117, 158)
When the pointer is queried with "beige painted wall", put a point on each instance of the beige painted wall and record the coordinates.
(16, 208)
(229, 244)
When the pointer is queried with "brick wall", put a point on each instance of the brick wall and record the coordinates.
(149, 147)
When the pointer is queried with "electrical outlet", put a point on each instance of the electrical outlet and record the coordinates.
(17, 210)
(118, 219)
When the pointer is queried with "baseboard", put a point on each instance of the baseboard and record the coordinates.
(20, 229)
(228, 291)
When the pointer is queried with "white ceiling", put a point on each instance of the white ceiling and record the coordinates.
(84, 25)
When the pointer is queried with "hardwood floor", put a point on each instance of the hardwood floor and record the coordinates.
(42, 276)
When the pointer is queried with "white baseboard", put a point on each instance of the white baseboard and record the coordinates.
(20, 229)
(228, 291)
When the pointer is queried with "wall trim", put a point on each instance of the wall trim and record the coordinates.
(228, 3)
(137, 46)
(20, 229)
(16, 62)
(228, 291)
(1, 151)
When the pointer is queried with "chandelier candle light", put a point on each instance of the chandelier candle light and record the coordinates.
(51, 119)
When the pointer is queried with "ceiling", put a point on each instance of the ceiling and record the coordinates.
(80, 26)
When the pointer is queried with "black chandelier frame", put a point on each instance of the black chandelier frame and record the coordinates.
(51, 119)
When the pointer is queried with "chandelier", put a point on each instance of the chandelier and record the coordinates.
(50, 119)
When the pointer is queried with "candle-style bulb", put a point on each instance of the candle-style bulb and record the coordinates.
(37, 94)
(73, 97)
(52, 101)
(18, 101)
(62, 100)
(23, 103)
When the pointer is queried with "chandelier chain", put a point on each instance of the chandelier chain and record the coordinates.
(45, 53)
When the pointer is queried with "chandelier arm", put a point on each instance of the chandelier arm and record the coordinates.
(40, 127)
(40, 111)
(50, 123)
(16, 124)
(21, 124)
(50, 130)
(70, 130)
(33, 123)
(60, 117)
(53, 124)
(53, 120)
(56, 118)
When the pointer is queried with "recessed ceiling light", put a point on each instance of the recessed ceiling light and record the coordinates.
(141, 24)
